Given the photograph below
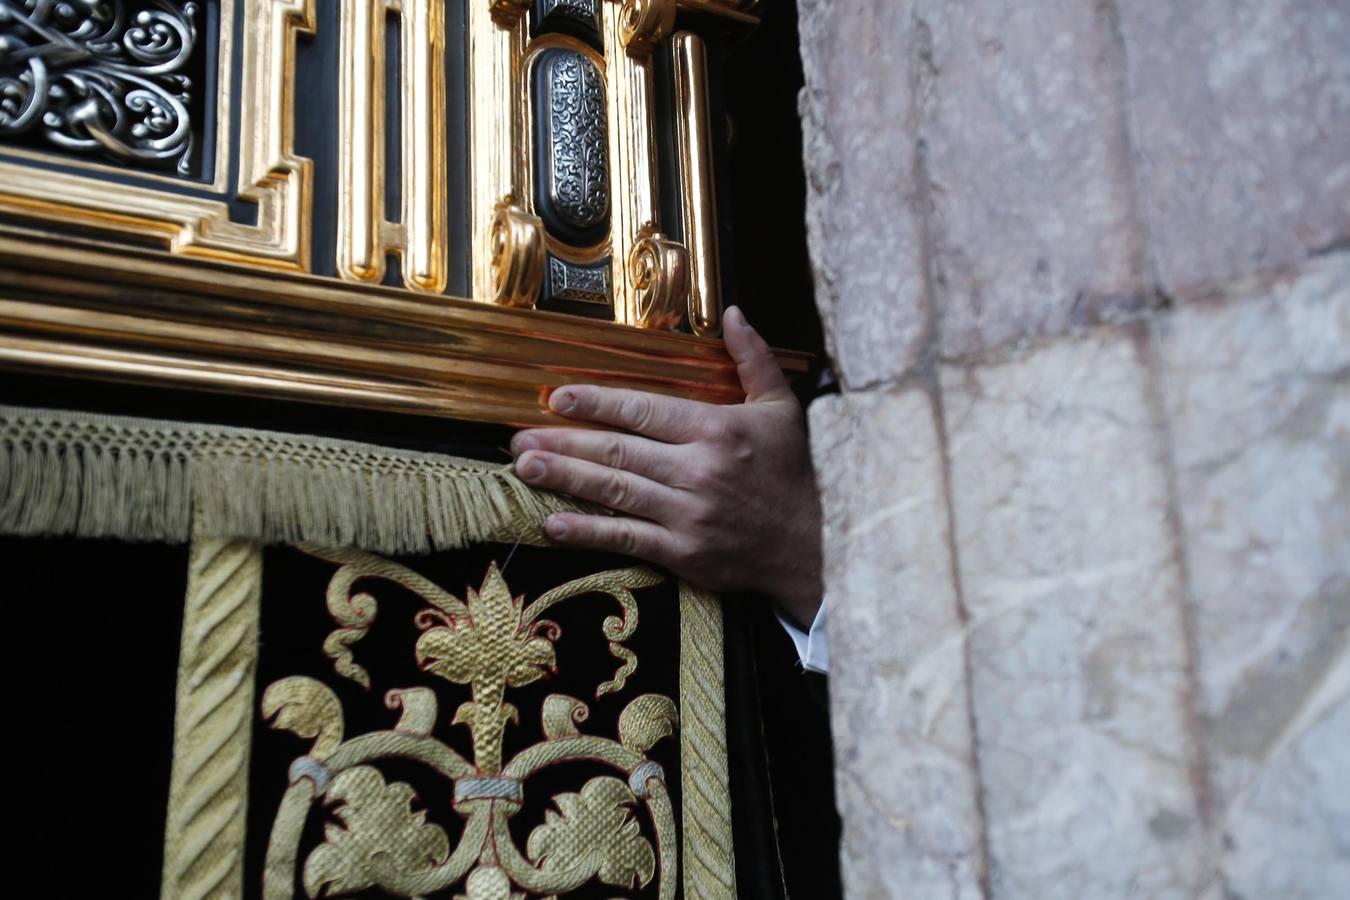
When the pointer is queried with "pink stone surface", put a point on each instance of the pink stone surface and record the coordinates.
(1255, 380)
(1033, 219)
(862, 212)
(1241, 119)
(905, 780)
(1078, 646)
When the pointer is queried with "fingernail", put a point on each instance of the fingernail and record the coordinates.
(734, 315)
(562, 402)
(556, 527)
(522, 442)
(531, 469)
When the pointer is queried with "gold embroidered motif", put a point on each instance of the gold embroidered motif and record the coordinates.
(204, 837)
(493, 642)
(377, 819)
(593, 833)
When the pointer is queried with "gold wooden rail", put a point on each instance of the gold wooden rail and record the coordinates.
(79, 307)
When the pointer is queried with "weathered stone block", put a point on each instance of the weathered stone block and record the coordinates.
(858, 138)
(1257, 386)
(897, 686)
(1241, 111)
(1078, 651)
(1033, 217)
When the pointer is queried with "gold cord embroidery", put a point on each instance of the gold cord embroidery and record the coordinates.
(492, 642)
(378, 840)
(204, 831)
(709, 864)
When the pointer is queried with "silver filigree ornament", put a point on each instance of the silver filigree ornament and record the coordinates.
(583, 11)
(585, 284)
(578, 138)
(95, 78)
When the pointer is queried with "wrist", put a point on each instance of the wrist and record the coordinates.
(794, 581)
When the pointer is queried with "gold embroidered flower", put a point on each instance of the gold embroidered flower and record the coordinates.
(492, 643)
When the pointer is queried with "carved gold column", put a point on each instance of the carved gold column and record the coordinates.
(361, 92)
(694, 149)
(425, 196)
(506, 256)
(649, 271)
(365, 237)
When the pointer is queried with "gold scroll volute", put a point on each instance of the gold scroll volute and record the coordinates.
(517, 243)
(645, 23)
(659, 271)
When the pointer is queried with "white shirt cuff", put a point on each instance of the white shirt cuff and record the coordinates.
(813, 647)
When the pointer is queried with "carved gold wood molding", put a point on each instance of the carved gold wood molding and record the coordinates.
(270, 174)
(651, 280)
(498, 117)
(364, 236)
(78, 307)
(699, 193)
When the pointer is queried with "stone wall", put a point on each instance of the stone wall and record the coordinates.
(1084, 268)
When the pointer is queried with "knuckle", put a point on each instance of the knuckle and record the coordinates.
(714, 429)
(723, 430)
(626, 539)
(637, 411)
(615, 454)
(703, 475)
(743, 451)
(732, 437)
(614, 490)
(703, 515)
(737, 430)
(695, 552)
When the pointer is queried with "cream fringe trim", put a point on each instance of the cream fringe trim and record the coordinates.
(150, 480)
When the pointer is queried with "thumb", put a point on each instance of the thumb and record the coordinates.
(761, 379)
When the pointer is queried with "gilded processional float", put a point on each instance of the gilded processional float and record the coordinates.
(373, 676)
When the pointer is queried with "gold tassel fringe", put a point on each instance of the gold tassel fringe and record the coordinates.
(150, 480)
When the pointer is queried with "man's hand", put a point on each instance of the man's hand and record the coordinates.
(723, 496)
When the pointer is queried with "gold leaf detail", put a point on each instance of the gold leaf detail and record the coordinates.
(491, 643)
(593, 832)
(562, 714)
(485, 717)
(377, 820)
(355, 611)
(419, 709)
(616, 684)
(646, 720)
(307, 708)
(338, 647)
